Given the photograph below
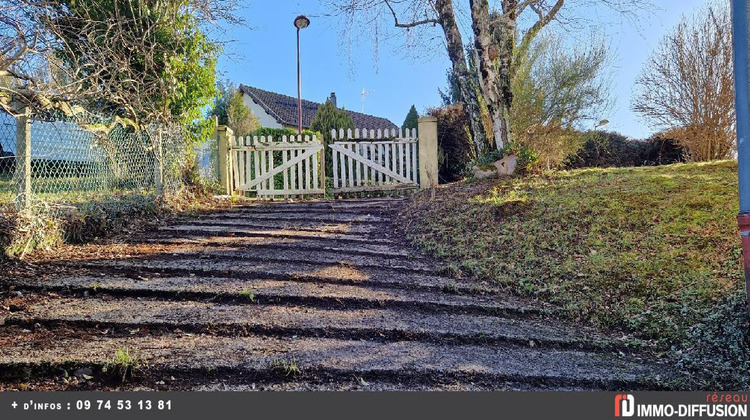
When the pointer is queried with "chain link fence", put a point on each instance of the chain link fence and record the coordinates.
(207, 158)
(7, 160)
(83, 167)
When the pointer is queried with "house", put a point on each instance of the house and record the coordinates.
(275, 110)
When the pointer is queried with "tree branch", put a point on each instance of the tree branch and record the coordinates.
(520, 7)
(411, 24)
(541, 22)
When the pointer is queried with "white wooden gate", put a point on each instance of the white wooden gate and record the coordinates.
(290, 167)
(370, 160)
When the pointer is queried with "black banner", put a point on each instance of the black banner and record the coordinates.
(330, 405)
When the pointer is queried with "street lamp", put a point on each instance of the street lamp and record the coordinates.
(300, 22)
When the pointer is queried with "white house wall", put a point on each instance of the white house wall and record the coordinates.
(266, 120)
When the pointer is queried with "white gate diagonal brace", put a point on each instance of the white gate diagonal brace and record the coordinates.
(283, 167)
(359, 158)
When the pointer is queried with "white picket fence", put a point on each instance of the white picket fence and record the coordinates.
(290, 167)
(374, 160)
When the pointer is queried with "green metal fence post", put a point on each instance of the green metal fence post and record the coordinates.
(23, 160)
(159, 166)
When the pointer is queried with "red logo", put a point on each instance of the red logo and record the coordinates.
(624, 405)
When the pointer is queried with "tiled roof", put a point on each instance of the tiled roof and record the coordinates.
(284, 109)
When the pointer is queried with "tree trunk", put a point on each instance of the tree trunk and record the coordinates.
(501, 123)
(456, 53)
(495, 39)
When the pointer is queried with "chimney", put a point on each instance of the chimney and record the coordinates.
(333, 99)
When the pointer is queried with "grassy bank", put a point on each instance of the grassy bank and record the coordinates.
(653, 252)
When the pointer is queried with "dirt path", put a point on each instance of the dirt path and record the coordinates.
(320, 295)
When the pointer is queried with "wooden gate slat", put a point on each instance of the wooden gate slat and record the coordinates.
(407, 162)
(342, 168)
(394, 159)
(272, 178)
(256, 161)
(389, 156)
(351, 167)
(286, 172)
(236, 160)
(246, 175)
(383, 171)
(293, 171)
(247, 167)
(359, 165)
(335, 158)
(383, 155)
(382, 161)
(268, 170)
(400, 160)
(314, 170)
(414, 167)
(261, 185)
(300, 172)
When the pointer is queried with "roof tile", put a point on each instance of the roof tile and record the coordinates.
(284, 109)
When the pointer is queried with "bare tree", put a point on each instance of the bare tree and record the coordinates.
(138, 60)
(17, 36)
(24, 53)
(687, 86)
(496, 36)
(556, 90)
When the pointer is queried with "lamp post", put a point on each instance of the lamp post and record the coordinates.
(300, 22)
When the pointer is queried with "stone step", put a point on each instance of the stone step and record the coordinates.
(258, 258)
(380, 204)
(243, 256)
(299, 216)
(203, 358)
(261, 255)
(291, 320)
(339, 235)
(320, 273)
(229, 382)
(297, 226)
(283, 243)
(275, 209)
(297, 292)
(370, 385)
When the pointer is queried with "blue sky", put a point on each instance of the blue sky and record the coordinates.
(265, 56)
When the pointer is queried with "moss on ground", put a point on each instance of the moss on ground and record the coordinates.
(651, 251)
